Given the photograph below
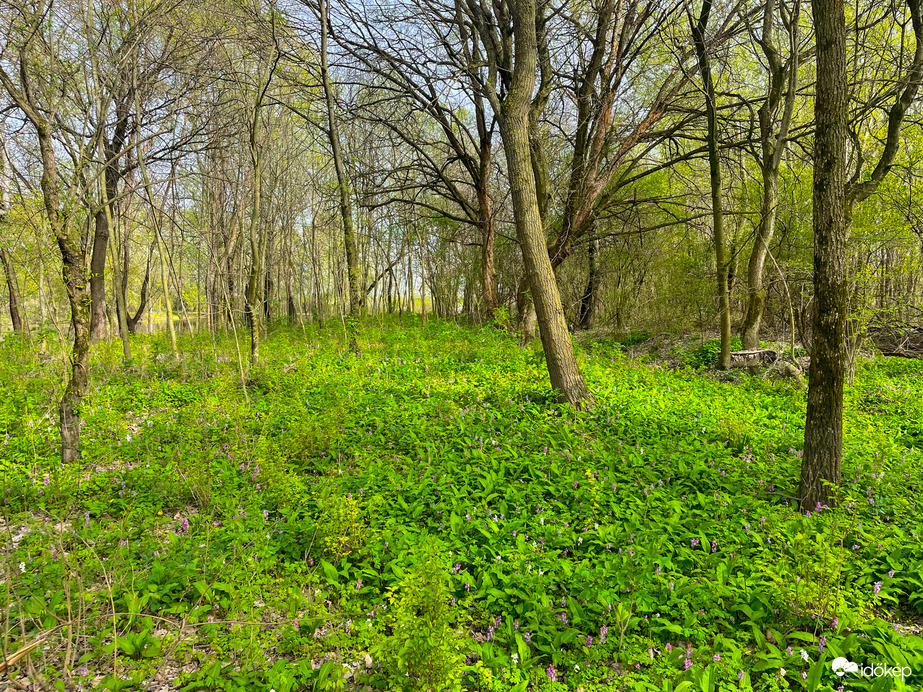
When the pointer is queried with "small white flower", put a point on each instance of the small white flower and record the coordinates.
(576, 667)
(804, 655)
(22, 567)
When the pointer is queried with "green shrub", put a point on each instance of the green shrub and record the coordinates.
(425, 650)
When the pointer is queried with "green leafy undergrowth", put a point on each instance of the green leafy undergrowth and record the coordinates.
(424, 516)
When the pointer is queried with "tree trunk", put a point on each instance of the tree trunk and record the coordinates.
(15, 316)
(142, 301)
(13, 290)
(773, 145)
(73, 271)
(255, 281)
(346, 209)
(823, 433)
(714, 169)
(590, 297)
(98, 275)
(756, 294)
(514, 129)
(251, 295)
(491, 298)
(165, 287)
(119, 283)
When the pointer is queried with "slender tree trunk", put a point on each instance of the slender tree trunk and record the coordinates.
(756, 294)
(119, 285)
(142, 299)
(254, 291)
(98, 276)
(490, 297)
(165, 287)
(714, 169)
(13, 290)
(422, 278)
(823, 433)
(773, 145)
(590, 297)
(73, 271)
(346, 208)
(410, 298)
(42, 297)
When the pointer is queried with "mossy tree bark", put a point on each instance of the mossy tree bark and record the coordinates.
(73, 262)
(823, 433)
(834, 201)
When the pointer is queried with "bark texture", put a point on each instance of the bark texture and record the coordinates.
(823, 434)
(714, 169)
(514, 124)
(773, 143)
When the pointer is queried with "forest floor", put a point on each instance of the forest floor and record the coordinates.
(425, 516)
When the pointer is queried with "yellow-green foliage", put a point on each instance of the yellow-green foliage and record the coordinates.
(425, 650)
(341, 529)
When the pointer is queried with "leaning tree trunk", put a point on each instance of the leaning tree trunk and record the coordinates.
(142, 300)
(823, 433)
(73, 265)
(12, 288)
(514, 130)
